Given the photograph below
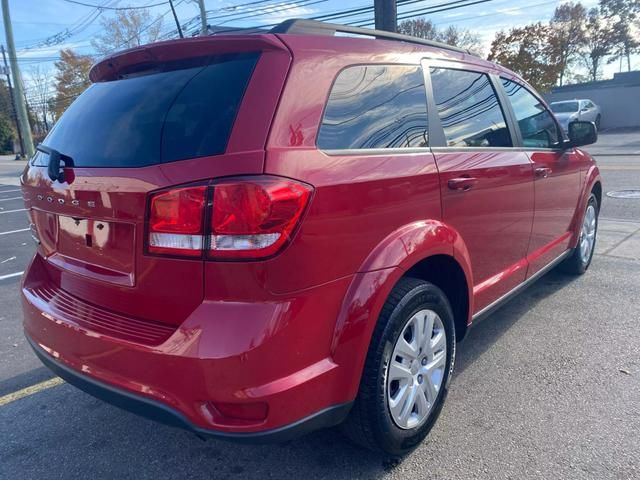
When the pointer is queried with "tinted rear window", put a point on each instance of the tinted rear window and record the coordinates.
(154, 118)
(376, 106)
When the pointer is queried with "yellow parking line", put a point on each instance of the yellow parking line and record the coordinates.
(25, 392)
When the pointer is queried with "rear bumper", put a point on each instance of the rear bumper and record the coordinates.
(159, 412)
(274, 353)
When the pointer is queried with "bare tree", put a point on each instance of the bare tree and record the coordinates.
(623, 17)
(127, 29)
(452, 35)
(419, 27)
(568, 34)
(598, 44)
(40, 85)
(460, 37)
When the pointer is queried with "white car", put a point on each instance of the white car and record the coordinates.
(573, 110)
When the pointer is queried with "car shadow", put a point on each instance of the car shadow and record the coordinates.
(64, 433)
(482, 336)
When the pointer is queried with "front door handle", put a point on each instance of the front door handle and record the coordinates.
(462, 183)
(542, 172)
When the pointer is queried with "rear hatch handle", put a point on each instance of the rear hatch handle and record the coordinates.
(55, 170)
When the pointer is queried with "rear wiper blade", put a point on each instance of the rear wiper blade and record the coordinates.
(55, 171)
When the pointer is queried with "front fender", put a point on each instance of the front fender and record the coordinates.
(379, 273)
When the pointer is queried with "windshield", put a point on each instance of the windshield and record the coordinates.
(564, 107)
(155, 118)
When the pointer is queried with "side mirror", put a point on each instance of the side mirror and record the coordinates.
(582, 133)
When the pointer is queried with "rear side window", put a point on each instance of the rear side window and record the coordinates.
(537, 127)
(469, 110)
(153, 118)
(376, 106)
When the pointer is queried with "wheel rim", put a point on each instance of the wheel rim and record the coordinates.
(588, 234)
(416, 369)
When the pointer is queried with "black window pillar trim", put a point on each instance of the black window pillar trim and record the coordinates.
(507, 108)
(436, 132)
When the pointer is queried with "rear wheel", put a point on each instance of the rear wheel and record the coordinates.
(581, 257)
(598, 122)
(408, 367)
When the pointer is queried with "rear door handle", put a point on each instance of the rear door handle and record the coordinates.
(542, 172)
(462, 183)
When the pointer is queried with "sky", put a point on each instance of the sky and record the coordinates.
(43, 27)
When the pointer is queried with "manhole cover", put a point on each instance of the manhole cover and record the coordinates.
(624, 194)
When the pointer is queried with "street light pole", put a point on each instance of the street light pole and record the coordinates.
(18, 93)
(204, 30)
(386, 15)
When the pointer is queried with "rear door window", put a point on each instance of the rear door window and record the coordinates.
(374, 106)
(469, 110)
(536, 123)
(162, 116)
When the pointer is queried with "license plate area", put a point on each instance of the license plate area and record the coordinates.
(99, 249)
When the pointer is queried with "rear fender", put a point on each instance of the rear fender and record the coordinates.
(372, 285)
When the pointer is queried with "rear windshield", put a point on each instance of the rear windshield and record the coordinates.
(155, 118)
(564, 107)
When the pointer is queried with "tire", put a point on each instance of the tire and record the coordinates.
(598, 123)
(579, 262)
(371, 423)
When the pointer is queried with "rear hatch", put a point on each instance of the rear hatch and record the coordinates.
(157, 116)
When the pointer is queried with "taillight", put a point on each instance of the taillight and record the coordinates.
(254, 218)
(176, 221)
(249, 218)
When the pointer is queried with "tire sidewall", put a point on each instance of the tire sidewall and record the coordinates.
(426, 296)
(591, 202)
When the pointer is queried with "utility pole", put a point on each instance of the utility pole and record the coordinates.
(386, 13)
(21, 109)
(175, 17)
(13, 103)
(204, 29)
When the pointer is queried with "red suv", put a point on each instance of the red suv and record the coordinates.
(253, 236)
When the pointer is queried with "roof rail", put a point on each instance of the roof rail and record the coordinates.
(300, 26)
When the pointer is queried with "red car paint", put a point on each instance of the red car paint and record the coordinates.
(285, 336)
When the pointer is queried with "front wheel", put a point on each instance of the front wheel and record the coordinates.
(598, 119)
(407, 370)
(581, 257)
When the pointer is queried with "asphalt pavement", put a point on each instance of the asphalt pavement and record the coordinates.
(547, 387)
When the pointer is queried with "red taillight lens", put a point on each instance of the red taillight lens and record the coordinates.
(254, 218)
(176, 221)
(251, 217)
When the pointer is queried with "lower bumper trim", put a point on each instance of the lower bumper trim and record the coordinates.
(159, 412)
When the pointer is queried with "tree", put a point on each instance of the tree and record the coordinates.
(623, 17)
(528, 51)
(598, 44)
(568, 34)
(452, 35)
(127, 29)
(40, 87)
(7, 129)
(459, 37)
(72, 78)
(419, 27)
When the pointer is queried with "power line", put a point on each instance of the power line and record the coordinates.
(100, 7)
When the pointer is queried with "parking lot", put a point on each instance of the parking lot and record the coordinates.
(547, 387)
